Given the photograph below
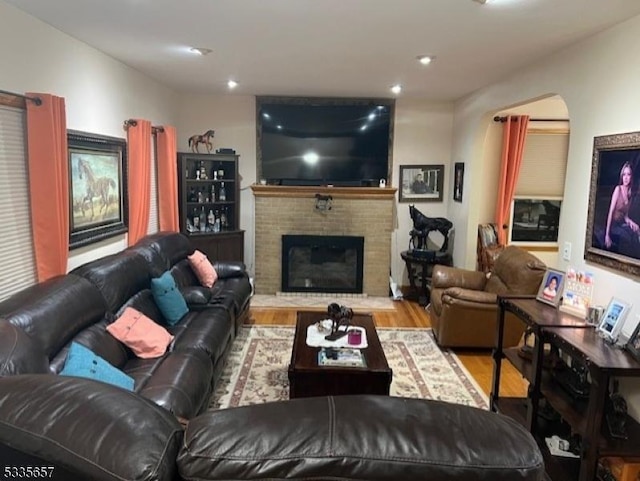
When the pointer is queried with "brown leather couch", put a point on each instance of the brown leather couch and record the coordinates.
(464, 309)
(79, 429)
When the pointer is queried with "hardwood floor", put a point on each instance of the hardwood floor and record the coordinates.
(411, 314)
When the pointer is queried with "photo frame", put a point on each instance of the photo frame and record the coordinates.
(421, 183)
(458, 181)
(633, 344)
(535, 220)
(550, 290)
(618, 248)
(98, 204)
(613, 319)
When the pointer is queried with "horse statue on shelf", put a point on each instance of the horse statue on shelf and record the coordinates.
(423, 225)
(205, 139)
(96, 188)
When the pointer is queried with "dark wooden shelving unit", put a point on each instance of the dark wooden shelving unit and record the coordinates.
(584, 417)
(228, 243)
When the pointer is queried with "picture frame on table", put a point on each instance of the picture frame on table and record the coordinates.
(421, 183)
(98, 203)
(613, 319)
(616, 246)
(633, 344)
(458, 181)
(550, 290)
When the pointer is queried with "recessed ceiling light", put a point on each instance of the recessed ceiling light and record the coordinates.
(425, 59)
(396, 89)
(201, 50)
(483, 2)
(232, 84)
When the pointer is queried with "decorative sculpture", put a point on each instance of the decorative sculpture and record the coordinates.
(205, 139)
(340, 316)
(423, 225)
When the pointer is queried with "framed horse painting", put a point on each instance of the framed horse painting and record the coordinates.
(98, 187)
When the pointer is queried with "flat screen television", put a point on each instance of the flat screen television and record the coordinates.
(315, 141)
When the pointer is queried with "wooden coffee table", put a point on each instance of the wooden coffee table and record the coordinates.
(307, 379)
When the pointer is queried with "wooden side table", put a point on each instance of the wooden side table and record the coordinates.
(420, 267)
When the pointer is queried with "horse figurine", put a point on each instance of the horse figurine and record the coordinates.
(423, 225)
(97, 187)
(205, 139)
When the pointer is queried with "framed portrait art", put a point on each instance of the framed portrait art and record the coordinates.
(458, 181)
(613, 232)
(550, 291)
(421, 183)
(98, 187)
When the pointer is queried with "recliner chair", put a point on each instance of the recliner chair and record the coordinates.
(464, 307)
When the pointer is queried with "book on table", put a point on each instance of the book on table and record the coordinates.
(345, 357)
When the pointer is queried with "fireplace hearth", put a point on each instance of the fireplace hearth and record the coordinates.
(313, 263)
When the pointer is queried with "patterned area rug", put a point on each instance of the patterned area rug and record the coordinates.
(256, 369)
(321, 301)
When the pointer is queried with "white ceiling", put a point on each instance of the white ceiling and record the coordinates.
(329, 47)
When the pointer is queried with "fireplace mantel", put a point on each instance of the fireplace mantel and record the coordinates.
(355, 211)
(335, 192)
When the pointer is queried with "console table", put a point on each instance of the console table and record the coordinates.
(577, 339)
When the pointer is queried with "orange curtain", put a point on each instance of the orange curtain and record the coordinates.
(514, 136)
(48, 184)
(139, 166)
(166, 154)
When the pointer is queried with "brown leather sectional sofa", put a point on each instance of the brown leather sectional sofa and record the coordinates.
(83, 429)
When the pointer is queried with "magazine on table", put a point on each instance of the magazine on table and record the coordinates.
(345, 357)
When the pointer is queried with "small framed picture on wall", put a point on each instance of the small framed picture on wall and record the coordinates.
(458, 181)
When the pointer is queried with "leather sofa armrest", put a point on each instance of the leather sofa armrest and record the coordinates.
(230, 269)
(452, 294)
(443, 277)
(358, 437)
(196, 295)
(94, 430)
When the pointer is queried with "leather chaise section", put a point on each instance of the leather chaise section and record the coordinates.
(358, 438)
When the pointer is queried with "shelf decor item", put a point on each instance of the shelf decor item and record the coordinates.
(633, 345)
(98, 187)
(613, 319)
(614, 211)
(578, 293)
(551, 287)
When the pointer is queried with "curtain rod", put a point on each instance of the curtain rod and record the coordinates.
(497, 118)
(35, 100)
(157, 128)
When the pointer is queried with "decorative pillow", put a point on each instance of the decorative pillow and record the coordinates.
(143, 336)
(204, 270)
(168, 298)
(82, 362)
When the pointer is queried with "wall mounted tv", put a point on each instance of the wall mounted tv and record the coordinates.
(321, 141)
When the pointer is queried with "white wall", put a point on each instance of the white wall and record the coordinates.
(100, 93)
(599, 84)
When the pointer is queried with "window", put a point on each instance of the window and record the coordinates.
(17, 263)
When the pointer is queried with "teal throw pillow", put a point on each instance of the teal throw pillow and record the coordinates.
(82, 362)
(168, 298)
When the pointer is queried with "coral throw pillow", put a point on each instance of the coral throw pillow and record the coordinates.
(168, 298)
(143, 336)
(204, 270)
(83, 362)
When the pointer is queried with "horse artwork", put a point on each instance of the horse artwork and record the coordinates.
(423, 225)
(95, 190)
(205, 139)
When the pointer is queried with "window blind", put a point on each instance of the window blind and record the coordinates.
(152, 226)
(544, 164)
(17, 262)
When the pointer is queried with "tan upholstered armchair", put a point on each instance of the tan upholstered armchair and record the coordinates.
(464, 307)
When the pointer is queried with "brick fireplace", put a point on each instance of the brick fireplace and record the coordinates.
(355, 211)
